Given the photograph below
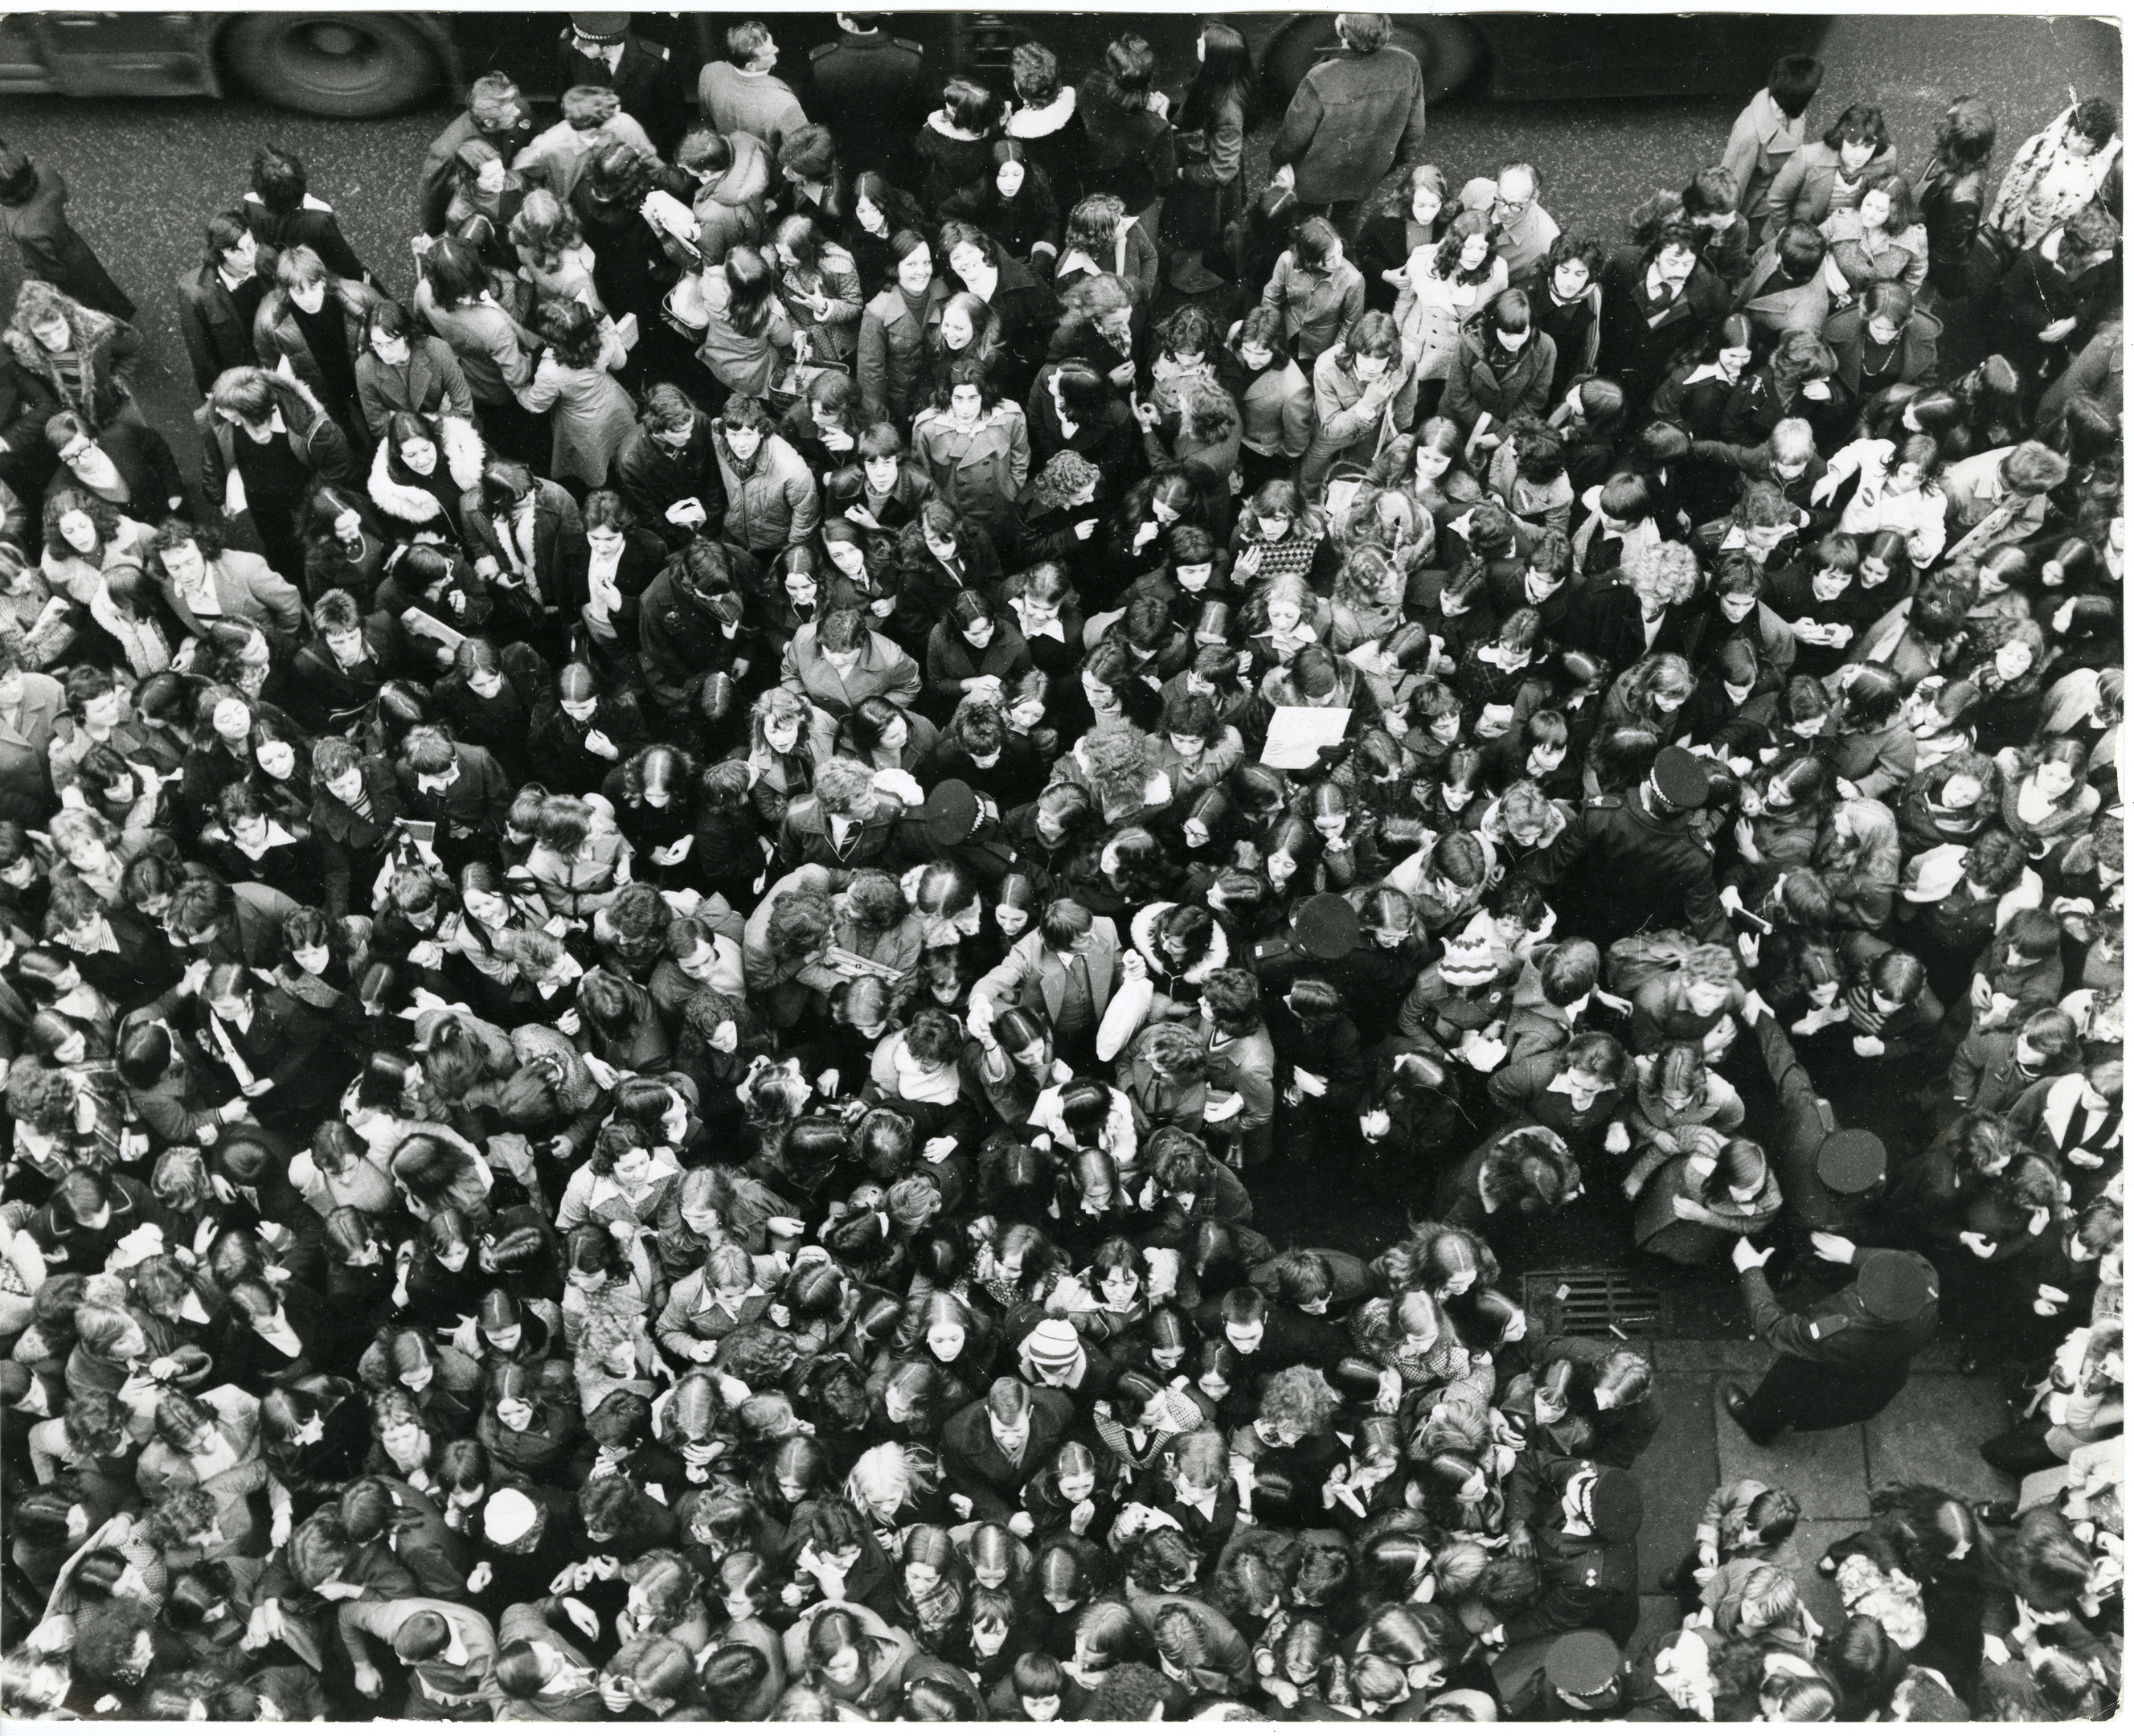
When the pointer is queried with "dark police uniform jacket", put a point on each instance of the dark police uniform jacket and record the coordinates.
(1586, 1582)
(1658, 872)
(1837, 1364)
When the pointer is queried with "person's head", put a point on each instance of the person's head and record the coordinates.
(971, 106)
(1363, 33)
(1792, 82)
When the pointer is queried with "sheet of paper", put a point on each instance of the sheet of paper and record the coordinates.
(1298, 732)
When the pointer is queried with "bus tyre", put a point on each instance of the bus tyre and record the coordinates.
(1449, 52)
(344, 65)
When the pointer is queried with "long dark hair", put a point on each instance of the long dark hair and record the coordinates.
(1225, 77)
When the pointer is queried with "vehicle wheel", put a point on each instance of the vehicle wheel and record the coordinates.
(345, 65)
(1449, 51)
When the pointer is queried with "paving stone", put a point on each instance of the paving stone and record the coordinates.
(1676, 1475)
(1930, 1434)
(1710, 1355)
(1826, 1470)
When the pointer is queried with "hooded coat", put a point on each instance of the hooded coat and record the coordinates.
(417, 510)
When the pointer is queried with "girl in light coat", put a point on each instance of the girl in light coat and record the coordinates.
(1442, 288)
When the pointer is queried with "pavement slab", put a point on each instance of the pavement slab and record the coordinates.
(1827, 1471)
(1930, 1434)
(1675, 1475)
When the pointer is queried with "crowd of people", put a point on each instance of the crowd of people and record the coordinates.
(653, 936)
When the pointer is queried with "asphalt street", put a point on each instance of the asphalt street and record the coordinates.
(145, 175)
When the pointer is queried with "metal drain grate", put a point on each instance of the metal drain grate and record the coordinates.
(1595, 1302)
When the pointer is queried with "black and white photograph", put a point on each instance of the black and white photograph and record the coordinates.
(1041, 865)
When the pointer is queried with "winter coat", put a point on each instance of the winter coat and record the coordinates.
(892, 347)
(979, 473)
(1431, 311)
(460, 452)
(277, 337)
(1477, 388)
(430, 383)
(1352, 118)
(496, 352)
(1131, 152)
(590, 415)
(743, 362)
(314, 438)
(109, 351)
(881, 669)
(772, 504)
(1803, 191)
(1317, 307)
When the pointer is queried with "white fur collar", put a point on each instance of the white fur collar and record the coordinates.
(463, 454)
(1043, 123)
(1217, 955)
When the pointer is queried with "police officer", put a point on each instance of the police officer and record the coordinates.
(1323, 932)
(1585, 1546)
(600, 48)
(1843, 1362)
(872, 91)
(1582, 1677)
(1832, 1177)
(1639, 864)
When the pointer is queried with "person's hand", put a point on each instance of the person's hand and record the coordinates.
(1310, 1083)
(581, 1618)
(1746, 1257)
(962, 1504)
(614, 1695)
(1755, 1006)
(1618, 1141)
(478, 1580)
(1147, 415)
(368, 1683)
(1520, 1542)
(2058, 330)
(233, 495)
(2084, 1158)
(1482, 1053)
(1145, 536)
(1248, 563)
(1021, 1525)
(1708, 1552)
(1084, 529)
(690, 512)
(1836, 1249)
(596, 742)
(2050, 1300)
(1977, 1244)
(162, 1368)
(1285, 176)
(702, 1351)
(1133, 967)
(1374, 1124)
(1868, 1047)
(1996, 1649)
(1386, 1400)
(1750, 947)
(1224, 1108)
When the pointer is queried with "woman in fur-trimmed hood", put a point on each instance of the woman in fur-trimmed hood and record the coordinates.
(89, 365)
(422, 469)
